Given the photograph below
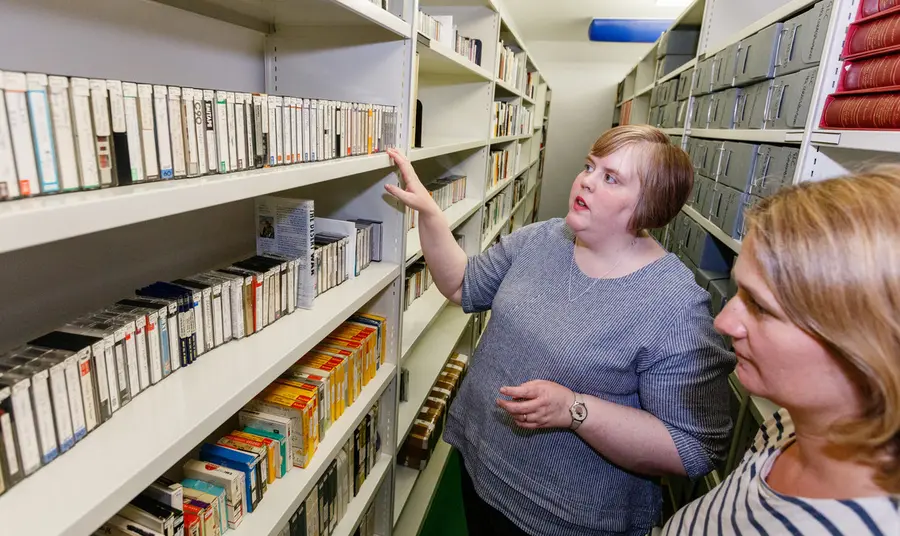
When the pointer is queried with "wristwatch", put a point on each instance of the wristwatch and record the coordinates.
(579, 412)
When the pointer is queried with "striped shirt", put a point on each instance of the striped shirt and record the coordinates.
(743, 504)
(644, 340)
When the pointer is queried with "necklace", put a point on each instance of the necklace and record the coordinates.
(594, 280)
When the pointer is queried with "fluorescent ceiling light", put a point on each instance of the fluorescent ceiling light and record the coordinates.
(673, 3)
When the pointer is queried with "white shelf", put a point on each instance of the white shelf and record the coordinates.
(456, 215)
(443, 147)
(437, 58)
(39, 220)
(286, 494)
(261, 15)
(508, 88)
(734, 245)
(867, 140)
(674, 131)
(412, 513)
(499, 188)
(677, 71)
(367, 492)
(645, 91)
(419, 317)
(527, 99)
(426, 360)
(144, 439)
(403, 486)
(506, 139)
(761, 135)
(784, 12)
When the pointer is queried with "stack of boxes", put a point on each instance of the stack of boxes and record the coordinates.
(764, 81)
(668, 101)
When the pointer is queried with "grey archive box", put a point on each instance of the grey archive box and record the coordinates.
(678, 41)
(703, 250)
(654, 96)
(724, 207)
(700, 111)
(695, 191)
(756, 59)
(684, 84)
(727, 102)
(803, 38)
(752, 105)
(696, 149)
(704, 277)
(704, 156)
(678, 229)
(681, 114)
(672, 92)
(724, 65)
(718, 296)
(791, 96)
(773, 169)
(702, 83)
(717, 108)
(669, 113)
(710, 167)
(671, 62)
(704, 196)
(654, 116)
(737, 165)
(675, 140)
(748, 201)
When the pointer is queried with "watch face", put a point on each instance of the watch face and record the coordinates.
(579, 412)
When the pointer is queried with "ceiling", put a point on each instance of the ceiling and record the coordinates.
(568, 20)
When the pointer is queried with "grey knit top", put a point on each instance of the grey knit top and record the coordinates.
(644, 340)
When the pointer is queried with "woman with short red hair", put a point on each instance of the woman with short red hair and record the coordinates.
(599, 368)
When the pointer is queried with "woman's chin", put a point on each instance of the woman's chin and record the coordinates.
(575, 221)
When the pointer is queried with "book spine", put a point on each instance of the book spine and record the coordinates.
(880, 111)
(873, 7)
(873, 73)
(875, 35)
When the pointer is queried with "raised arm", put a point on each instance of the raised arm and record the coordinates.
(446, 260)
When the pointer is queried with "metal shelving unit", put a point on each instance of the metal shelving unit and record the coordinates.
(87, 249)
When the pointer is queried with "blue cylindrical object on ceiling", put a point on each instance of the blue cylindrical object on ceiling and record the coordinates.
(627, 30)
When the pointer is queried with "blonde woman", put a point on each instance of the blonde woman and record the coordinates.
(600, 367)
(816, 329)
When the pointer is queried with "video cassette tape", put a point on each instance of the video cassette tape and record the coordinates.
(163, 138)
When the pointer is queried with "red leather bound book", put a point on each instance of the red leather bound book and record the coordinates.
(869, 8)
(869, 74)
(877, 36)
(877, 111)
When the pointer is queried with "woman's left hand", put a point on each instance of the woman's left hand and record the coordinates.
(539, 404)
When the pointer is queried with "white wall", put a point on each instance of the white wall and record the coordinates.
(583, 79)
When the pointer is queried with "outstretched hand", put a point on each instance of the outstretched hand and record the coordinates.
(538, 404)
(414, 194)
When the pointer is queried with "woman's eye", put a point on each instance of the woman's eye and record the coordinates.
(588, 168)
(609, 179)
(752, 306)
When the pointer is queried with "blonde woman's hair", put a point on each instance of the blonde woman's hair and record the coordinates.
(830, 253)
